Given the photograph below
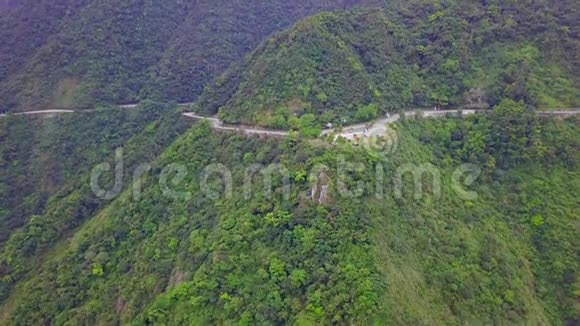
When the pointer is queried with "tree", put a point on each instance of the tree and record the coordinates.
(298, 278)
(277, 270)
(366, 112)
(307, 126)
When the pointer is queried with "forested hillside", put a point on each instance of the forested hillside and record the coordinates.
(46, 165)
(454, 220)
(26, 25)
(63, 55)
(524, 50)
(345, 67)
(507, 255)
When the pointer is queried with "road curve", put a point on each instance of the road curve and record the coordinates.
(381, 126)
(375, 128)
(219, 125)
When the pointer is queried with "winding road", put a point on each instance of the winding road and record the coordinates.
(219, 125)
(59, 111)
(376, 128)
(380, 127)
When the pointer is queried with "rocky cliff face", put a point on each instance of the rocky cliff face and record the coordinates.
(320, 189)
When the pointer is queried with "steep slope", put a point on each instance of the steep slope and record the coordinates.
(200, 252)
(26, 25)
(315, 67)
(119, 52)
(45, 176)
(352, 65)
(221, 33)
(520, 49)
(227, 242)
(453, 221)
(102, 54)
(508, 253)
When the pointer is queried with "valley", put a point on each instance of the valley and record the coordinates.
(312, 162)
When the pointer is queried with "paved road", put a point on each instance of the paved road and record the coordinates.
(134, 105)
(381, 126)
(40, 112)
(562, 112)
(377, 128)
(219, 125)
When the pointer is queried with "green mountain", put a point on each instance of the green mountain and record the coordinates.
(71, 54)
(455, 220)
(26, 26)
(206, 253)
(352, 66)
(46, 171)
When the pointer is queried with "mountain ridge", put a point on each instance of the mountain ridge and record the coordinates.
(457, 220)
(118, 52)
(345, 67)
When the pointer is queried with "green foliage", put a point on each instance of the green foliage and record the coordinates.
(78, 53)
(416, 54)
(508, 296)
(321, 72)
(506, 256)
(278, 219)
(97, 270)
(54, 178)
(524, 211)
(537, 221)
(300, 176)
(277, 270)
(357, 260)
(298, 278)
(497, 47)
(307, 126)
(21, 38)
(202, 261)
(366, 112)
